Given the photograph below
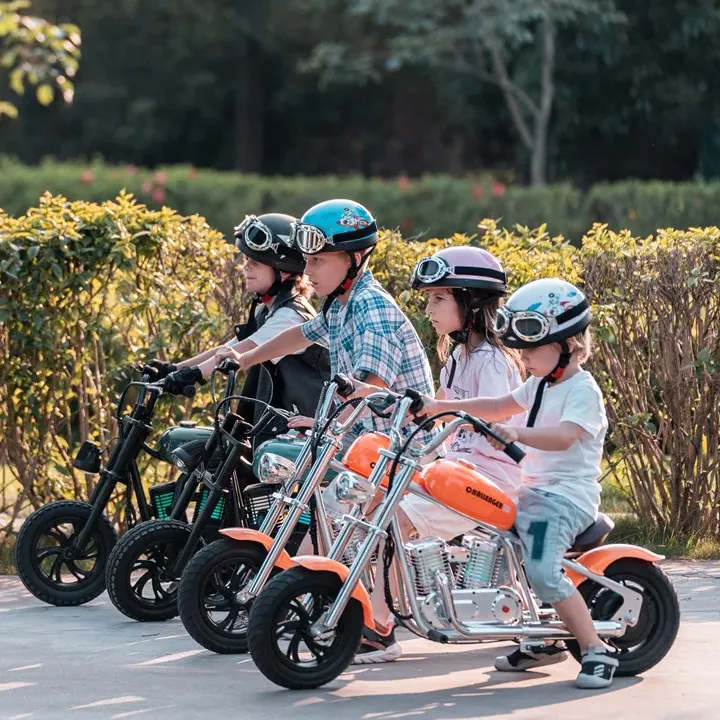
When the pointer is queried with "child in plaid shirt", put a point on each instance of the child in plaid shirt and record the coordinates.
(367, 334)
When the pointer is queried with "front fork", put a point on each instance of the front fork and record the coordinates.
(122, 457)
(298, 505)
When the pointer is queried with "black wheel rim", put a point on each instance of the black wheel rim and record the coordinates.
(291, 640)
(603, 603)
(222, 614)
(149, 579)
(61, 565)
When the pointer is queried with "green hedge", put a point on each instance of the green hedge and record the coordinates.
(433, 206)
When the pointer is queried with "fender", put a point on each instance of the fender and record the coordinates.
(284, 561)
(323, 564)
(598, 559)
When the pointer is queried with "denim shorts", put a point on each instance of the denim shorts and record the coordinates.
(547, 525)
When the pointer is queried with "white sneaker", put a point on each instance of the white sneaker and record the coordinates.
(377, 648)
(598, 669)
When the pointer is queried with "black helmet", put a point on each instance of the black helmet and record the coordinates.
(266, 239)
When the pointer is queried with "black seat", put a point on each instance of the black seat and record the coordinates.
(594, 536)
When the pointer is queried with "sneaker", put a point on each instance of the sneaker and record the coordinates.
(598, 668)
(377, 648)
(528, 657)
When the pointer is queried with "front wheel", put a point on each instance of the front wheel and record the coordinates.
(49, 564)
(207, 591)
(279, 630)
(140, 581)
(646, 644)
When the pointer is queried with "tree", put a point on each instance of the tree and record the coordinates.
(37, 52)
(482, 39)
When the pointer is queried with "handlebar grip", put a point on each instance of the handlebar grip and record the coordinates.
(189, 391)
(345, 385)
(417, 403)
(228, 365)
(514, 452)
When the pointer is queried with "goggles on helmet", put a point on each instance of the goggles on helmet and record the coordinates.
(255, 234)
(431, 269)
(527, 325)
(309, 239)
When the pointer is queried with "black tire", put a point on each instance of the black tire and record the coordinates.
(205, 596)
(65, 519)
(277, 605)
(646, 644)
(142, 558)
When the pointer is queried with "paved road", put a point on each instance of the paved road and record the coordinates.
(91, 662)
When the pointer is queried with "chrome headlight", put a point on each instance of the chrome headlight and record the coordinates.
(352, 489)
(274, 469)
(179, 463)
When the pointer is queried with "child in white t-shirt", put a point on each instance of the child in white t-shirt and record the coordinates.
(465, 286)
(560, 496)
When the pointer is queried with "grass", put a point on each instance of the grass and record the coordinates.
(634, 531)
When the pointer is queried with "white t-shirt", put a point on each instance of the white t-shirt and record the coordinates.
(486, 372)
(572, 473)
(278, 322)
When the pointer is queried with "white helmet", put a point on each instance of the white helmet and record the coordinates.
(542, 312)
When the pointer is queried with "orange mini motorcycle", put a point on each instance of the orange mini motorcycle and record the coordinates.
(306, 625)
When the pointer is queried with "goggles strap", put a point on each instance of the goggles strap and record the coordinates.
(553, 376)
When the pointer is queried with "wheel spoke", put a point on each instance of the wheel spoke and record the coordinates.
(55, 569)
(229, 621)
(141, 582)
(45, 552)
(293, 646)
(158, 591)
(76, 571)
(58, 536)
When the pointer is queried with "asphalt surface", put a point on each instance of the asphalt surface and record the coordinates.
(92, 662)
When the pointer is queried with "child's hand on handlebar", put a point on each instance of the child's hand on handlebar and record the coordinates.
(300, 421)
(226, 352)
(362, 389)
(508, 433)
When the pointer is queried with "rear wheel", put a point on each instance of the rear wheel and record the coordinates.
(140, 580)
(647, 643)
(49, 565)
(281, 644)
(206, 596)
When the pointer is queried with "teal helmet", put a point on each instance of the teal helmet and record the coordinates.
(333, 226)
(337, 226)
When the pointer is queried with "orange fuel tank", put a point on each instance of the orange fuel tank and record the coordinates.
(362, 456)
(458, 484)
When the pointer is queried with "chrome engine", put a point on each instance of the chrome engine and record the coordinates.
(477, 594)
(484, 565)
(427, 557)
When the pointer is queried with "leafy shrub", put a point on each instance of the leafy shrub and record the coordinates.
(86, 290)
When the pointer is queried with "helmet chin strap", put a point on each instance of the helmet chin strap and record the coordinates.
(461, 337)
(553, 376)
(346, 284)
(277, 287)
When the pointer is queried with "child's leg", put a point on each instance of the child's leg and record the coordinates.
(575, 614)
(547, 525)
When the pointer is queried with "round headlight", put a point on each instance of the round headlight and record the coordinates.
(274, 469)
(179, 463)
(352, 489)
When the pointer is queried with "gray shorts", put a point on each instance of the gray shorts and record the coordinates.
(547, 524)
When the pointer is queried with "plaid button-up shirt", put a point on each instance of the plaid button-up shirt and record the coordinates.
(370, 334)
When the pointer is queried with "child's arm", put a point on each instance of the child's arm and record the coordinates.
(209, 360)
(557, 438)
(489, 409)
(286, 343)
